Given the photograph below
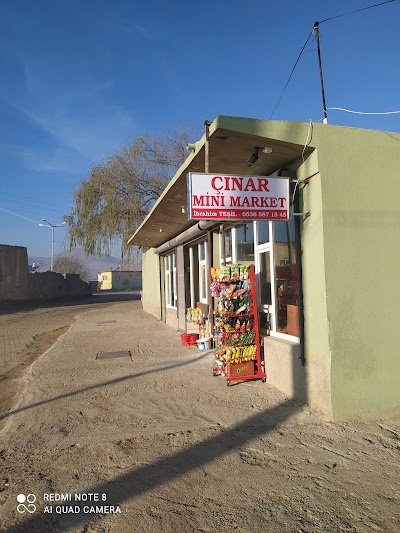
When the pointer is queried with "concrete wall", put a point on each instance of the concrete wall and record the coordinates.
(171, 318)
(17, 285)
(119, 280)
(104, 281)
(151, 283)
(361, 212)
(317, 349)
(13, 273)
(50, 286)
(284, 369)
(350, 262)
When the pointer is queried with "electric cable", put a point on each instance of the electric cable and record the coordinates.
(293, 69)
(357, 11)
(363, 113)
(308, 38)
(308, 140)
(31, 209)
(392, 136)
(27, 199)
(20, 216)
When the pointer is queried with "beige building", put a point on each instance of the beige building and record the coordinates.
(327, 279)
(119, 280)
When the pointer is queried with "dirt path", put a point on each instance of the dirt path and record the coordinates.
(176, 450)
(28, 331)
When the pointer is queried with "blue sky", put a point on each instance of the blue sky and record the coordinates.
(81, 79)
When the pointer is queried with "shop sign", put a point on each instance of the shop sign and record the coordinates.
(226, 197)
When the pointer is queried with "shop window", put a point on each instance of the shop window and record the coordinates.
(194, 275)
(244, 237)
(264, 283)
(170, 281)
(203, 277)
(226, 246)
(262, 232)
(271, 246)
(286, 303)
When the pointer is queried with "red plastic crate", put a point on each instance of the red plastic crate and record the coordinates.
(234, 370)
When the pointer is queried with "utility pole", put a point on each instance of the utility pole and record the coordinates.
(316, 28)
(52, 226)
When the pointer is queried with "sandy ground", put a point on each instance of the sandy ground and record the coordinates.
(167, 447)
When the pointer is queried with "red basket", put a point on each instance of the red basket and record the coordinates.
(185, 339)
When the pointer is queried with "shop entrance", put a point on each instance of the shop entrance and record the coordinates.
(264, 288)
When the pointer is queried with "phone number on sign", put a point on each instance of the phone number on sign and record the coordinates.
(264, 214)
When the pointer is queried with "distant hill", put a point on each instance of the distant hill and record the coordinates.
(94, 263)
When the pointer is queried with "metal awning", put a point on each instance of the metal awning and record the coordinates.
(232, 141)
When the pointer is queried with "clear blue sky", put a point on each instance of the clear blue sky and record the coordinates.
(80, 79)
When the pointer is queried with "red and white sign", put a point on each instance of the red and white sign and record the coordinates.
(226, 197)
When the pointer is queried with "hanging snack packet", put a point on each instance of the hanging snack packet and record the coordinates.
(246, 271)
(235, 272)
(225, 273)
(230, 290)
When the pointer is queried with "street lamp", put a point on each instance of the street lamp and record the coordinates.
(52, 226)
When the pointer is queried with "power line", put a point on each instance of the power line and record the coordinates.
(357, 10)
(31, 207)
(23, 198)
(364, 113)
(293, 69)
(20, 216)
(308, 38)
(392, 136)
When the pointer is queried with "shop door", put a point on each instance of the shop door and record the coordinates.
(264, 289)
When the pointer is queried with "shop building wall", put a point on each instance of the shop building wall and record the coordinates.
(313, 380)
(151, 294)
(361, 198)
(284, 369)
(317, 350)
(350, 266)
(171, 318)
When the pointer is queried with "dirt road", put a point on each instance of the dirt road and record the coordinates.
(153, 442)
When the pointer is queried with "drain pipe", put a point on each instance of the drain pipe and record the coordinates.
(299, 276)
(188, 235)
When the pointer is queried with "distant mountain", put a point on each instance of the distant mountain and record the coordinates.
(94, 263)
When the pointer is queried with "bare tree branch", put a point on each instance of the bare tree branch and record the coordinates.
(118, 194)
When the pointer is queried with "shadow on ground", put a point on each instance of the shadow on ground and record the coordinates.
(168, 468)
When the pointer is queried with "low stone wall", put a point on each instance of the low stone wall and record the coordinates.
(13, 273)
(50, 286)
(17, 285)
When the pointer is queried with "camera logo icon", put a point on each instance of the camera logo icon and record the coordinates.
(26, 504)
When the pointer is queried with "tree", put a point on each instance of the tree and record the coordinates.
(112, 203)
(71, 265)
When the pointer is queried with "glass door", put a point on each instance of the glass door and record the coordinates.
(264, 289)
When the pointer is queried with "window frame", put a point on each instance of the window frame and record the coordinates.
(171, 298)
(203, 274)
(258, 249)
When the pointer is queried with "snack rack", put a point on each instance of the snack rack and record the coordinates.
(236, 330)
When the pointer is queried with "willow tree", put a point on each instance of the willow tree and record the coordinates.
(119, 193)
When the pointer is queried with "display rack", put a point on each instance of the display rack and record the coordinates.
(236, 331)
